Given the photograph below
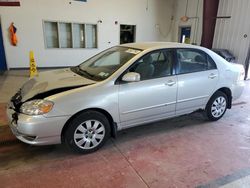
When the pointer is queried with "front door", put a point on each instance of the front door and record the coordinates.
(197, 78)
(152, 98)
(3, 66)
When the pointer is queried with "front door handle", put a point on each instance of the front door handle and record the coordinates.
(170, 83)
(212, 76)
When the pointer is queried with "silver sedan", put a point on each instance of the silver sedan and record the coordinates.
(122, 87)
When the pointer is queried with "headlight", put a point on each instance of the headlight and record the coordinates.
(36, 107)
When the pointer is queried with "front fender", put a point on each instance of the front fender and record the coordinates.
(100, 96)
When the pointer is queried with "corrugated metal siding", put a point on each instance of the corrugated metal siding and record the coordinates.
(229, 33)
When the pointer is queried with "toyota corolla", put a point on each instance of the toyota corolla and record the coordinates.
(122, 87)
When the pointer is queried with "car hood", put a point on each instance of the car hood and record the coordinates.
(52, 82)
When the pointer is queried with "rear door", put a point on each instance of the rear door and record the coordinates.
(197, 78)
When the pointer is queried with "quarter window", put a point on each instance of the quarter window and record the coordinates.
(190, 60)
(211, 63)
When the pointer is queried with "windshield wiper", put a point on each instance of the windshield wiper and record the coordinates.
(86, 73)
(81, 72)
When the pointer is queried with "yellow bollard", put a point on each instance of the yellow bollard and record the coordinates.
(33, 69)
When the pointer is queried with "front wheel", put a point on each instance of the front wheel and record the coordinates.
(87, 132)
(217, 106)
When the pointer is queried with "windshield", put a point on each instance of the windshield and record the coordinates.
(105, 63)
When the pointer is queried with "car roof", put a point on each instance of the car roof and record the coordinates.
(155, 45)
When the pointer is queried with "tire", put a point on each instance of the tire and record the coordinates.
(87, 132)
(216, 106)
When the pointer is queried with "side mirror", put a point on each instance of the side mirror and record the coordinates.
(131, 77)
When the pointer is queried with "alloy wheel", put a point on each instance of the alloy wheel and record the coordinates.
(89, 134)
(219, 106)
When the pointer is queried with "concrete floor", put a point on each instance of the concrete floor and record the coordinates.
(182, 152)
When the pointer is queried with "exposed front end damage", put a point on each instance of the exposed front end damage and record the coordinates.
(35, 130)
(39, 129)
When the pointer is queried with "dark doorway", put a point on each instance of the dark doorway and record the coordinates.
(127, 34)
(185, 35)
(3, 66)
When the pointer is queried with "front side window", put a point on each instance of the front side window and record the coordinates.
(154, 65)
(105, 63)
(190, 60)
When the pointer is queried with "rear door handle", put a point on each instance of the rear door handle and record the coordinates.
(212, 76)
(170, 83)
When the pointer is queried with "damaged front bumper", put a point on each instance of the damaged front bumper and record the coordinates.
(36, 130)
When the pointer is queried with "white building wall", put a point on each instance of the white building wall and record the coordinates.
(195, 12)
(229, 33)
(152, 19)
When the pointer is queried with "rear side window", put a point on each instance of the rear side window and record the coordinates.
(191, 60)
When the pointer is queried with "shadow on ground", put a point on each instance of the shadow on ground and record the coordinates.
(15, 153)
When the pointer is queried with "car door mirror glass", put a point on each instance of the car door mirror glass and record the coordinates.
(131, 77)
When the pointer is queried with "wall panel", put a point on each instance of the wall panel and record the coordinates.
(149, 16)
(229, 33)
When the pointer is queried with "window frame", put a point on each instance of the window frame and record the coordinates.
(196, 50)
(134, 34)
(85, 35)
(72, 35)
(119, 79)
(72, 28)
(44, 35)
(59, 34)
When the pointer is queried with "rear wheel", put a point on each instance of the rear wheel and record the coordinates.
(217, 106)
(87, 132)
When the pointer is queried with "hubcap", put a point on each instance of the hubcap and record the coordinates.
(218, 107)
(89, 134)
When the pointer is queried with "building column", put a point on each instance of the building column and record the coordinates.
(210, 9)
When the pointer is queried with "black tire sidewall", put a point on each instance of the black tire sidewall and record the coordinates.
(76, 121)
(209, 106)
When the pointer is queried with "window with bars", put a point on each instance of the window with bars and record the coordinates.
(70, 35)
